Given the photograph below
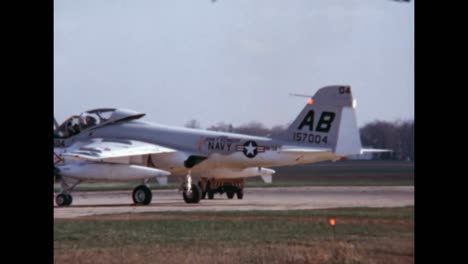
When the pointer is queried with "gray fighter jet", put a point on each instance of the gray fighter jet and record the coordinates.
(116, 145)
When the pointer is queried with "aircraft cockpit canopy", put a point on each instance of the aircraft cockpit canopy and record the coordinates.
(95, 117)
(75, 124)
(68, 128)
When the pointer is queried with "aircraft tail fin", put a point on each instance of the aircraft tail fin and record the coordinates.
(327, 121)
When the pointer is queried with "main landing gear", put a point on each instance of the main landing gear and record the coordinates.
(142, 195)
(190, 191)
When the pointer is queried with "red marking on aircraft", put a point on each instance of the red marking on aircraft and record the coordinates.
(200, 144)
(57, 158)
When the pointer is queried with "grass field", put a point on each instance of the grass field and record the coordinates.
(363, 235)
(340, 173)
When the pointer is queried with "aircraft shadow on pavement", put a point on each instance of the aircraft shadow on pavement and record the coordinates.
(96, 205)
(168, 204)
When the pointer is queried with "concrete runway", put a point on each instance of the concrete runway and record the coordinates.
(281, 198)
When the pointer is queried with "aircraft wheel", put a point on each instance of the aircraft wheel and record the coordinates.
(194, 196)
(230, 195)
(69, 199)
(240, 194)
(142, 195)
(63, 199)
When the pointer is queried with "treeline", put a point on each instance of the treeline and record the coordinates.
(253, 128)
(397, 136)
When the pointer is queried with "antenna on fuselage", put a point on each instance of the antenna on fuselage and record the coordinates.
(300, 95)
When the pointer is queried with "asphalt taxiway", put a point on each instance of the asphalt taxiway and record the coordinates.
(277, 198)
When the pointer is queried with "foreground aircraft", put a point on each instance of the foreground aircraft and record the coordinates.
(116, 145)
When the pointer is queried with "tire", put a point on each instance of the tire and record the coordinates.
(69, 199)
(194, 196)
(142, 195)
(230, 195)
(63, 199)
(240, 194)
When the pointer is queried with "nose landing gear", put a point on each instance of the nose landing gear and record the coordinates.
(63, 199)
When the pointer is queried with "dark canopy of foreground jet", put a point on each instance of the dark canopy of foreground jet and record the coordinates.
(116, 145)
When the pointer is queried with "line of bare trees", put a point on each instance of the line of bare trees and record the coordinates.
(397, 136)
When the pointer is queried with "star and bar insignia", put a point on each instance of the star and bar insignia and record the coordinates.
(250, 149)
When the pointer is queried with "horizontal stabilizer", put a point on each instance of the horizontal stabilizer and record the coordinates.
(375, 150)
(294, 149)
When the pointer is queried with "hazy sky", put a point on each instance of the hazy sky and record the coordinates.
(234, 61)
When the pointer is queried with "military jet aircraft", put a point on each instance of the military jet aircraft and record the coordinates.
(116, 145)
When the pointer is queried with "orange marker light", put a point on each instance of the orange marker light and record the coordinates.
(310, 101)
(332, 221)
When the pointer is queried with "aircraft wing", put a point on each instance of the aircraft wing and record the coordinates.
(99, 149)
